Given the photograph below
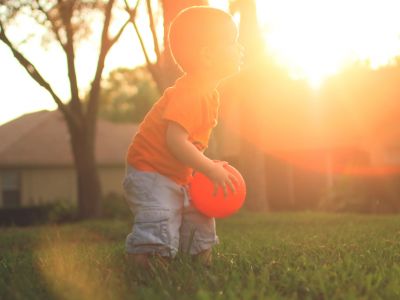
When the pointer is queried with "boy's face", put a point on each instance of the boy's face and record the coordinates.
(225, 58)
(228, 58)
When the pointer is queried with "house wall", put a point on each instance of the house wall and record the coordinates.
(111, 180)
(1, 193)
(385, 156)
(39, 186)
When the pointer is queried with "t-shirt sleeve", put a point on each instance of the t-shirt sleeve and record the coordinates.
(184, 111)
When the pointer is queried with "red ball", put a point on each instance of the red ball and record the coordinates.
(201, 192)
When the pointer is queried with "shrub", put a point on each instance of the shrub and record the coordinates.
(368, 194)
(114, 206)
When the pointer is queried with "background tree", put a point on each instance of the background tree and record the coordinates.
(127, 95)
(66, 22)
(238, 94)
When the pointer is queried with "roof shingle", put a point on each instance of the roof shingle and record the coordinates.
(42, 139)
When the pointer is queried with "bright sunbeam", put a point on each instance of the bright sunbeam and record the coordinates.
(316, 38)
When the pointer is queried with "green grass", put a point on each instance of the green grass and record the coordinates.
(261, 256)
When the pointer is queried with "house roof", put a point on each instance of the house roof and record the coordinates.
(42, 139)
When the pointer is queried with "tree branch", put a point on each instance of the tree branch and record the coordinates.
(146, 55)
(105, 46)
(132, 19)
(66, 13)
(53, 25)
(153, 30)
(34, 73)
(132, 12)
(153, 68)
(118, 35)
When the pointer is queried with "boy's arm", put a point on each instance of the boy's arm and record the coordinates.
(178, 143)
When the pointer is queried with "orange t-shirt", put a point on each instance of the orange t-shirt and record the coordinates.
(187, 103)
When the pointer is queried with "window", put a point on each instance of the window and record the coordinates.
(10, 188)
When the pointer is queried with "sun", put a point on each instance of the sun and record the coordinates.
(316, 38)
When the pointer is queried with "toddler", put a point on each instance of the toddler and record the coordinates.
(170, 141)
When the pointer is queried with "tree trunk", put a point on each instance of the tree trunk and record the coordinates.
(88, 182)
(252, 158)
(252, 165)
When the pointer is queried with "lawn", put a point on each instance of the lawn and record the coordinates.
(261, 256)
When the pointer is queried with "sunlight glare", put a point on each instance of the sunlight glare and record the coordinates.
(224, 5)
(316, 38)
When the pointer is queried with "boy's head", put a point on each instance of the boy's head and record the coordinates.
(202, 37)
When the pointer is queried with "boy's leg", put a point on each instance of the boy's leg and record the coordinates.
(204, 257)
(198, 235)
(156, 206)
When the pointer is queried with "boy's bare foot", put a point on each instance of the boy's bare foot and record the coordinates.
(138, 260)
(204, 257)
(145, 261)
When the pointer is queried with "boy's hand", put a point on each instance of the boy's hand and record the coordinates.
(183, 150)
(221, 177)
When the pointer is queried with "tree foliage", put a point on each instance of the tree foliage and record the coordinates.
(128, 95)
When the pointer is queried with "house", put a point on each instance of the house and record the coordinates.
(36, 163)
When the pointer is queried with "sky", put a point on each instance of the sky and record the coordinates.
(312, 38)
